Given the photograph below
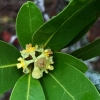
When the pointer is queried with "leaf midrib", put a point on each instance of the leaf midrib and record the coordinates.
(87, 50)
(28, 88)
(61, 86)
(7, 66)
(64, 23)
(30, 20)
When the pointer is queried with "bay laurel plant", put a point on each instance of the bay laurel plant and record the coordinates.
(40, 71)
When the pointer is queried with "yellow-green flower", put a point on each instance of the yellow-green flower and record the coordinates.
(48, 52)
(39, 59)
(43, 63)
(29, 51)
(24, 64)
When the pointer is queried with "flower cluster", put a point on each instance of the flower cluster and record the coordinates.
(36, 60)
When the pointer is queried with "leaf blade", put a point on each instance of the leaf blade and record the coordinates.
(70, 60)
(8, 69)
(59, 31)
(29, 19)
(62, 84)
(82, 33)
(30, 89)
(89, 51)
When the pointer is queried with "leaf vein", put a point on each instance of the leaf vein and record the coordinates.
(30, 20)
(6, 66)
(28, 88)
(65, 22)
(61, 86)
(87, 50)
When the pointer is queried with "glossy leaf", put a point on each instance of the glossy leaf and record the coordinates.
(82, 33)
(70, 60)
(68, 83)
(62, 29)
(9, 73)
(89, 51)
(27, 88)
(29, 19)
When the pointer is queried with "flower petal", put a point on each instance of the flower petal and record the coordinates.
(37, 73)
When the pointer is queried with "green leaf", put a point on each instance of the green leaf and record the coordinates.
(9, 73)
(89, 51)
(68, 83)
(27, 88)
(82, 33)
(70, 60)
(29, 19)
(63, 28)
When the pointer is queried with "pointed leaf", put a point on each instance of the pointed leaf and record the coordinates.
(68, 83)
(89, 51)
(63, 28)
(70, 60)
(28, 21)
(27, 88)
(9, 73)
